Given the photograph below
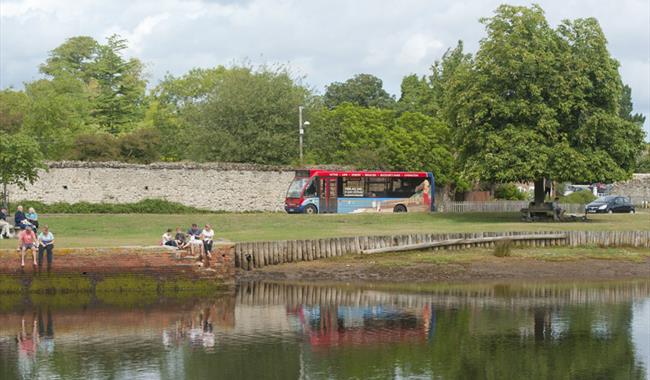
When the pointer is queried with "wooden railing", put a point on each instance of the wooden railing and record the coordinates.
(500, 206)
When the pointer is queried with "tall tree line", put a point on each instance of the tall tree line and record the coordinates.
(533, 102)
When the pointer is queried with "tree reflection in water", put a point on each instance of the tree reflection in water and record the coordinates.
(289, 331)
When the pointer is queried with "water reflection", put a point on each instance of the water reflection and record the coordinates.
(310, 331)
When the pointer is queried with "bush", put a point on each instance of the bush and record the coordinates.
(502, 248)
(510, 192)
(95, 147)
(579, 197)
(141, 146)
(147, 206)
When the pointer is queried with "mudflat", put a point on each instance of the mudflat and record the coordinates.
(476, 270)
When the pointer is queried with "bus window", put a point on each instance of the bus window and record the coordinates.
(311, 190)
(376, 187)
(352, 187)
(404, 187)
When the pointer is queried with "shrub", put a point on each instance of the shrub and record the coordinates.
(146, 206)
(580, 197)
(141, 146)
(509, 191)
(502, 248)
(95, 147)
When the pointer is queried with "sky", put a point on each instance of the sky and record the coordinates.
(322, 40)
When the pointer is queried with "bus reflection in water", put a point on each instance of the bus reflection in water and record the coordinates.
(346, 192)
(330, 325)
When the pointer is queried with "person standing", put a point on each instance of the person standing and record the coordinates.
(208, 236)
(27, 240)
(46, 244)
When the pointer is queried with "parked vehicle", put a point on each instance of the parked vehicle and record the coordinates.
(343, 192)
(611, 204)
(569, 189)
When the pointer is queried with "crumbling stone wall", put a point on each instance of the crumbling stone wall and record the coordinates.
(214, 186)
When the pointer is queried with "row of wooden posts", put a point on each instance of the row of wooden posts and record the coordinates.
(251, 255)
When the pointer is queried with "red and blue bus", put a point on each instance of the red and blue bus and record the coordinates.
(325, 191)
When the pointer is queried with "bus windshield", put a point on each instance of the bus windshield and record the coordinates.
(295, 189)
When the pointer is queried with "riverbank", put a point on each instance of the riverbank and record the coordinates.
(139, 269)
(473, 265)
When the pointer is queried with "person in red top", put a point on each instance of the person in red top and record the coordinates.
(27, 240)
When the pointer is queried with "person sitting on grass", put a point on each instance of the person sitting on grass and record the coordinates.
(5, 227)
(168, 239)
(208, 235)
(181, 239)
(32, 217)
(45, 244)
(20, 219)
(27, 240)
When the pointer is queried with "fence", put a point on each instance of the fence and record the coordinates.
(250, 255)
(500, 206)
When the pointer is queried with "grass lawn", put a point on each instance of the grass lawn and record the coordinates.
(106, 230)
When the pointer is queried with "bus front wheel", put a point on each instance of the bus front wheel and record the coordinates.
(311, 209)
(399, 208)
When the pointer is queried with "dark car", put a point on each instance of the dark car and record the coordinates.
(611, 204)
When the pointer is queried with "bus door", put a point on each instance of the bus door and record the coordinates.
(328, 194)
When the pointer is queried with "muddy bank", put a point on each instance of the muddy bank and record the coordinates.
(481, 270)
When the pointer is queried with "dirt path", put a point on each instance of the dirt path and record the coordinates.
(480, 270)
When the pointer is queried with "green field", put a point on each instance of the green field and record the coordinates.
(106, 230)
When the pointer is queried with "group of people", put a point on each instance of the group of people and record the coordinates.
(198, 241)
(29, 237)
(22, 220)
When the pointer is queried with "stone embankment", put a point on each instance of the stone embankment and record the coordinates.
(78, 269)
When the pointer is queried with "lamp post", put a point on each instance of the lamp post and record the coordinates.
(301, 130)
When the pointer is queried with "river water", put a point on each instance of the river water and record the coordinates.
(312, 331)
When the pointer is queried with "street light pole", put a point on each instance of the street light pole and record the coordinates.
(300, 130)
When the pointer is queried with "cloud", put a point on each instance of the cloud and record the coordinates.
(325, 40)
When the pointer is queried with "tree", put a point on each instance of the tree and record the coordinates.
(121, 87)
(20, 160)
(13, 107)
(249, 115)
(541, 103)
(626, 107)
(175, 108)
(74, 58)
(430, 95)
(363, 90)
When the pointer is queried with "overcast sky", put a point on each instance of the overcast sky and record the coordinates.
(324, 40)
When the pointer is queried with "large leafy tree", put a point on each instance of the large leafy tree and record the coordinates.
(58, 110)
(363, 90)
(114, 85)
(175, 108)
(249, 115)
(20, 160)
(542, 103)
(120, 101)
